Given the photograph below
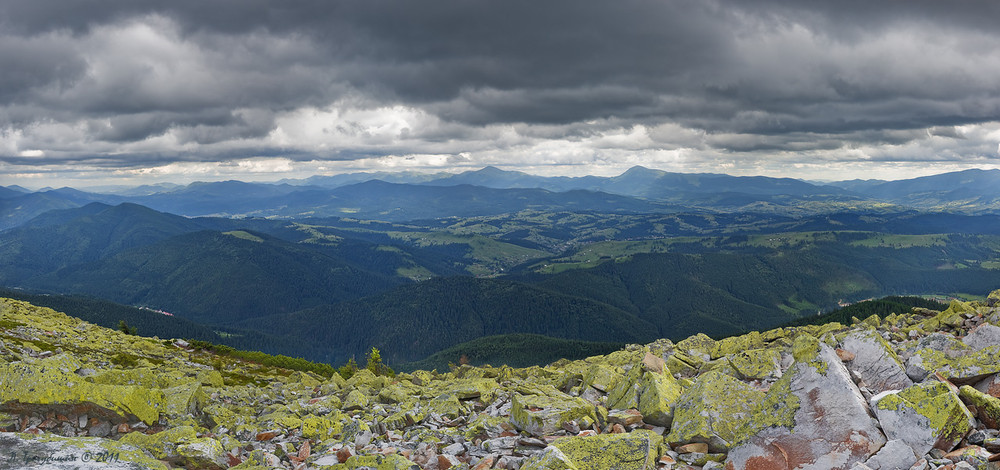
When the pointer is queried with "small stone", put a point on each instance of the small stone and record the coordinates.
(692, 447)
(344, 453)
(617, 429)
(454, 449)
(82, 421)
(653, 363)
(920, 465)
(977, 437)
(446, 461)
(485, 463)
(101, 429)
(571, 427)
(845, 355)
(991, 444)
(266, 435)
(625, 417)
(232, 459)
(271, 460)
(895, 454)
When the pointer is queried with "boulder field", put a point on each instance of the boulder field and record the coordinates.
(914, 390)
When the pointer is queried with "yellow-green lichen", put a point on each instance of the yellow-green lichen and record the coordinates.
(755, 364)
(635, 450)
(947, 416)
(542, 415)
(714, 410)
(806, 350)
(31, 384)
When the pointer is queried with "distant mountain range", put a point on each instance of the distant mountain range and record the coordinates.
(490, 191)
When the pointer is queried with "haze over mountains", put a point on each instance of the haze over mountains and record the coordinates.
(327, 267)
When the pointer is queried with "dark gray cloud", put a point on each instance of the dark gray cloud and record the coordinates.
(134, 84)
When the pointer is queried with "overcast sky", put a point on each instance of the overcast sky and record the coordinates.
(133, 91)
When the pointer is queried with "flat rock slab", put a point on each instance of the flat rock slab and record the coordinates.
(637, 450)
(875, 362)
(816, 418)
(51, 452)
(893, 455)
(983, 336)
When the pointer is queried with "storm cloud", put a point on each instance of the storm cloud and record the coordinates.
(792, 87)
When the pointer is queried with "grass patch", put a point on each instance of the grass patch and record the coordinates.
(9, 324)
(244, 235)
(886, 240)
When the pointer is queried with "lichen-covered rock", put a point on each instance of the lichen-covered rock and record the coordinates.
(466, 389)
(924, 416)
(550, 459)
(756, 364)
(543, 415)
(446, 404)
(649, 388)
(988, 406)
(713, 411)
(184, 400)
(964, 366)
(24, 451)
(321, 428)
(378, 462)
(699, 345)
(180, 445)
(39, 385)
(162, 445)
(602, 377)
(658, 392)
(990, 385)
(204, 453)
(637, 450)
(355, 400)
(983, 336)
(737, 344)
(875, 361)
(830, 426)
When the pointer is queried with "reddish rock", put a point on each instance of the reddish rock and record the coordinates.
(845, 355)
(304, 450)
(233, 460)
(617, 429)
(124, 428)
(447, 461)
(485, 464)
(344, 453)
(266, 435)
(48, 424)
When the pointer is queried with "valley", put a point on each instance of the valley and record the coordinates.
(415, 267)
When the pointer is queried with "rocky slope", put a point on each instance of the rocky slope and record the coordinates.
(917, 390)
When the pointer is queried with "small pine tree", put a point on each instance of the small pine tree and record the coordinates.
(375, 364)
(347, 370)
(124, 328)
(374, 361)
